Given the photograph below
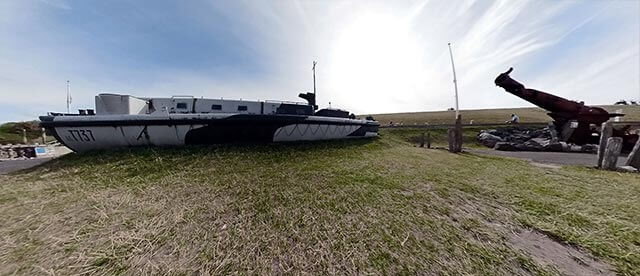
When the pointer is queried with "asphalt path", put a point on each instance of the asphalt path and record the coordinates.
(8, 166)
(560, 158)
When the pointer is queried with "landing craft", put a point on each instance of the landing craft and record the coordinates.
(128, 121)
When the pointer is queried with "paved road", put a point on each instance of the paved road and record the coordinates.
(562, 158)
(8, 166)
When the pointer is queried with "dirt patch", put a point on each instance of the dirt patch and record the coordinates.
(542, 249)
(566, 259)
(545, 166)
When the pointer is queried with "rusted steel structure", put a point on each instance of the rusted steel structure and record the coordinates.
(574, 121)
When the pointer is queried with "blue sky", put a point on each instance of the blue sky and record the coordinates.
(374, 56)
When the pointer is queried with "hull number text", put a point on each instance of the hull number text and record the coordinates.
(82, 135)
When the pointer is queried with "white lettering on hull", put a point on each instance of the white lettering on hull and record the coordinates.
(103, 137)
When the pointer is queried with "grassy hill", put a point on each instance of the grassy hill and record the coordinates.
(11, 133)
(378, 206)
(530, 114)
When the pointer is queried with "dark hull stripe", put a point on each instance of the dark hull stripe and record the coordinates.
(240, 132)
(247, 133)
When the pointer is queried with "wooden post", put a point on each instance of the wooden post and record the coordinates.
(634, 157)
(611, 153)
(451, 139)
(428, 140)
(605, 134)
(454, 136)
(422, 140)
(24, 136)
(459, 133)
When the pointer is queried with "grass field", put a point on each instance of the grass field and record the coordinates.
(490, 116)
(378, 206)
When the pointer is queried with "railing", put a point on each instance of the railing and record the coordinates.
(436, 126)
(284, 102)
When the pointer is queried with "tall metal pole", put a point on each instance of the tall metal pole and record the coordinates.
(314, 77)
(455, 81)
(68, 97)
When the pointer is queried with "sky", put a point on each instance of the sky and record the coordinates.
(373, 56)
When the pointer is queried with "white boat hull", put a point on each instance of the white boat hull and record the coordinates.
(84, 133)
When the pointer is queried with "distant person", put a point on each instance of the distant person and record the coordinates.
(514, 119)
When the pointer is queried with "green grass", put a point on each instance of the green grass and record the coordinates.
(378, 206)
(11, 133)
(438, 136)
(489, 116)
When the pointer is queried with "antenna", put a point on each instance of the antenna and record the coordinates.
(455, 81)
(68, 97)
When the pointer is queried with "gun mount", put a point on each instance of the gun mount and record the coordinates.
(574, 121)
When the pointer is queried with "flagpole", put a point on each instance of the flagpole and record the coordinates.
(455, 81)
(314, 78)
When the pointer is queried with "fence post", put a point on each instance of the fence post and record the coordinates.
(451, 139)
(605, 134)
(611, 153)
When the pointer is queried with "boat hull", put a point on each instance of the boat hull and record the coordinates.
(84, 133)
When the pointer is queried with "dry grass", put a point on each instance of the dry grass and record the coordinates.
(489, 116)
(351, 207)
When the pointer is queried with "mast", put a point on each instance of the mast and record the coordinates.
(455, 81)
(68, 97)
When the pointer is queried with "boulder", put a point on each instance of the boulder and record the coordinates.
(534, 144)
(505, 146)
(627, 169)
(488, 139)
(556, 146)
(492, 132)
(590, 148)
(575, 148)
(542, 142)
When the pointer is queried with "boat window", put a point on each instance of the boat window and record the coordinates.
(242, 108)
(181, 106)
(216, 107)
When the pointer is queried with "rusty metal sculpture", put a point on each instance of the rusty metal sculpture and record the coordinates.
(574, 121)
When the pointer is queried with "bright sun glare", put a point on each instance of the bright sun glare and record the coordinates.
(375, 57)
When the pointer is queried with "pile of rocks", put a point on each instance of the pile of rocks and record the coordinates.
(17, 151)
(528, 139)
